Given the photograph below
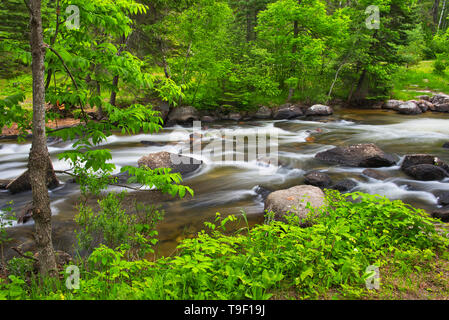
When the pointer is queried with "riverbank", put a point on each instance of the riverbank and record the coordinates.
(374, 254)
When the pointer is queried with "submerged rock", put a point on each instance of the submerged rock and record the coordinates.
(294, 200)
(317, 179)
(345, 185)
(375, 174)
(358, 155)
(164, 159)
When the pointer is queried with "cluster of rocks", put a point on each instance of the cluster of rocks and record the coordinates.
(422, 167)
(424, 103)
(187, 114)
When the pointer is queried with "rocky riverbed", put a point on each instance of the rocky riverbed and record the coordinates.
(379, 151)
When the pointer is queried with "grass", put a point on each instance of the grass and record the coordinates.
(410, 82)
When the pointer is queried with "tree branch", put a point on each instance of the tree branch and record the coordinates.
(70, 75)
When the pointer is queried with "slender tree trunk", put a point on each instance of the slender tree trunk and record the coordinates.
(39, 159)
(435, 7)
(113, 97)
(291, 91)
(441, 15)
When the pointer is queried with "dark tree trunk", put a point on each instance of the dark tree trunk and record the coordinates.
(39, 159)
(435, 7)
(112, 99)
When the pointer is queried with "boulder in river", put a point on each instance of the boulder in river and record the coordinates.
(263, 113)
(22, 182)
(426, 172)
(319, 110)
(375, 174)
(359, 155)
(287, 111)
(415, 159)
(425, 105)
(183, 114)
(176, 162)
(317, 179)
(442, 214)
(294, 201)
(442, 196)
(409, 107)
(392, 104)
(344, 185)
(441, 102)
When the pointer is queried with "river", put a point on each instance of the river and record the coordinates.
(230, 186)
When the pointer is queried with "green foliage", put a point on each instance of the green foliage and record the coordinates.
(113, 227)
(352, 232)
(6, 220)
(21, 267)
(11, 112)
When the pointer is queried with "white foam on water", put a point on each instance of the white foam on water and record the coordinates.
(394, 192)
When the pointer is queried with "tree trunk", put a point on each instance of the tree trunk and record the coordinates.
(441, 16)
(39, 159)
(435, 7)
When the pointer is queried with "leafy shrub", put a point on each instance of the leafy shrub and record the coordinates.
(352, 232)
(114, 227)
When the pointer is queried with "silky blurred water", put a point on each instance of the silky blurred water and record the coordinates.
(229, 186)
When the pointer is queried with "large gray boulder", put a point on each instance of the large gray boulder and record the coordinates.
(440, 102)
(409, 107)
(164, 159)
(392, 104)
(184, 114)
(359, 155)
(319, 110)
(294, 201)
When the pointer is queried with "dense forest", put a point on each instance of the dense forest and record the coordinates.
(82, 82)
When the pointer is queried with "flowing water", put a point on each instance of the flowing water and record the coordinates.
(228, 186)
